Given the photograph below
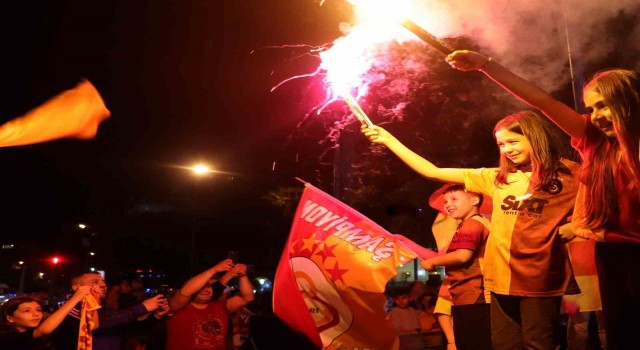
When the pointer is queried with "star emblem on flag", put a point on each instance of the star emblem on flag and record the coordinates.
(336, 273)
(326, 252)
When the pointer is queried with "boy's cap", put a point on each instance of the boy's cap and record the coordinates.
(436, 200)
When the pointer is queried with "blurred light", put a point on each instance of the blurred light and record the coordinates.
(421, 273)
(7, 246)
(40, 274)
(55, 260)
(92, 253)
(93, 269)
(21, 262)
(82, 226)
(201, 169)
(261, 280)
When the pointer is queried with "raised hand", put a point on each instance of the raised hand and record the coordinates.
(467, 60)
(154, 303)
(377, 134)
(80, 293)
(223, 266)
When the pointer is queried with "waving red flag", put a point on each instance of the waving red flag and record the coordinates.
(333, 271)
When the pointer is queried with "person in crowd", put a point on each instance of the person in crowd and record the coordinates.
(201, 311)
(533, 190)
(402, 316)
(119, 294)
(22, 324)
(67, 334)
(608, 200)
(426, 317)
(416, 290)
(240, 324)
(470, 311)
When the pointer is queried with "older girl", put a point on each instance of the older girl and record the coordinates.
(526, 267)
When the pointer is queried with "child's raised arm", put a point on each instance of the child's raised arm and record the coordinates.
(420, 165)
(564, 116)
(53, 321)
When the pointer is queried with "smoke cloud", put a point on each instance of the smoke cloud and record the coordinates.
(530, 37)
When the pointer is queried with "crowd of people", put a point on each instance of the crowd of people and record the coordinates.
(209, 311)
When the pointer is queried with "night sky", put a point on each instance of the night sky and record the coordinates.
(186, 81)
(182, 86)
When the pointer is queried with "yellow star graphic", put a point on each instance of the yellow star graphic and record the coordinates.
(309, 243)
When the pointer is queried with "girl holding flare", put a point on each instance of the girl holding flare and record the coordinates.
(533, 190)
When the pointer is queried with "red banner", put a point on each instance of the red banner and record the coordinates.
(333, 272)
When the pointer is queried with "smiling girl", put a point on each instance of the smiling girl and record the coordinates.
(526, 268)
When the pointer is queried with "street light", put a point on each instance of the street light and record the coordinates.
(201, 169)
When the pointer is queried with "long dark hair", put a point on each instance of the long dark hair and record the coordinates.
(620, 90)
(545, 154)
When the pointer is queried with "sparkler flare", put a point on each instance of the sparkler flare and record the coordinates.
(370, 54)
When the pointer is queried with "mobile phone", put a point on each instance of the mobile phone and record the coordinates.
(165, 290)
(234, 255)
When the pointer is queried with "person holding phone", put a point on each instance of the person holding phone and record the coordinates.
(201, 310)
(110, 322)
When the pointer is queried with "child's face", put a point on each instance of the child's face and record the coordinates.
(514, 146)
(459, 204)
(401, 301)
(601, 116)
(425, 300)
(28, 315)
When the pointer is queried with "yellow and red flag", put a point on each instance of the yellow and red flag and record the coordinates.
(75, 113)
(333, 271)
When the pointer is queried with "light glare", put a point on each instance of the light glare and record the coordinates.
(201, 169)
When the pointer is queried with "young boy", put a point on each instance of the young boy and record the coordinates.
(470, 311)
(403, 317)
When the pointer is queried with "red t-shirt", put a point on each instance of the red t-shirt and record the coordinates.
(466, 280)
(192, 328)
(626, 227)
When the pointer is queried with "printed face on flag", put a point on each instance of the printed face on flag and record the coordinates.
(333, 272)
